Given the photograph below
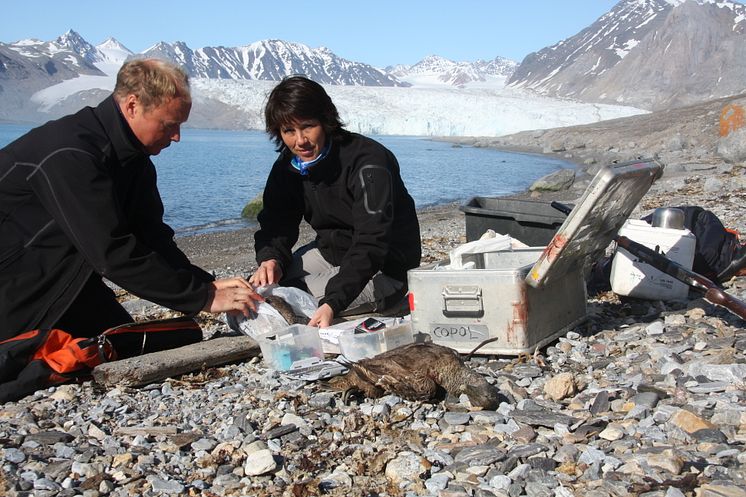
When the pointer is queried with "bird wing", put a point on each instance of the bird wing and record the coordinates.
(395, 375)
(414, 387)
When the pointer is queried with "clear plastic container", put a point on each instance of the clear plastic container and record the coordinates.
(356, 346)
(295, 343)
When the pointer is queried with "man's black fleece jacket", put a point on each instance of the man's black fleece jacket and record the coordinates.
(78, 196)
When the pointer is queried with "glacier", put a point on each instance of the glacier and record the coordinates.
(424, 109)
(429, 110)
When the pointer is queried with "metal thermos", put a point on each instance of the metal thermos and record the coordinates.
(668, 217)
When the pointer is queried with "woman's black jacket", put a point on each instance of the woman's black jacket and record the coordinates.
(356, 201)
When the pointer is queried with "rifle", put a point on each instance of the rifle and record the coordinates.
(712, 292)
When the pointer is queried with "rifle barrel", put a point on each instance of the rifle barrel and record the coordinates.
(713, 293)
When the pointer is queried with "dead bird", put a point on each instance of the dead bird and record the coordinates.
(285, 310)
(418, 371)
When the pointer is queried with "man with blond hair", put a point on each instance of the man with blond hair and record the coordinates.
(79, 202)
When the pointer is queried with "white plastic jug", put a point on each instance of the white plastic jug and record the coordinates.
(638, 279)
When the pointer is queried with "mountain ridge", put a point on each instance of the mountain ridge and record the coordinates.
(30, 69)
(269, 59)
(651, 54)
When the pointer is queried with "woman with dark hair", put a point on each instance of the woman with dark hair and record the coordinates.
(349, 189)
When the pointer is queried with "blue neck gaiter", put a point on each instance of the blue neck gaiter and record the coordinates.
(302, 167)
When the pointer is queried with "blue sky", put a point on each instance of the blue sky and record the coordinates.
(381, 32)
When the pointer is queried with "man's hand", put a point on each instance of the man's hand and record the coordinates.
(269, 272)
(322, 317)
(231, 295)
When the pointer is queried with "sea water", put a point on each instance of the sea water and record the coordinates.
(207, 178)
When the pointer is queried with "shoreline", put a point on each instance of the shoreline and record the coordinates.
(689, 179)
(217, 243)
(232, 252)
(442, 228)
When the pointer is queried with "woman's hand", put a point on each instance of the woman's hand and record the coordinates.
(269, 272)
(322, 317)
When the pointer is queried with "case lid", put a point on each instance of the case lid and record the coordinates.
(594, 221)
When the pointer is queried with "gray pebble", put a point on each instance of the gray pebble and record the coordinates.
(14, 455)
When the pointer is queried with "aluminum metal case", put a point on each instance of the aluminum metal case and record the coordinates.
(462, 308)
(523, 299)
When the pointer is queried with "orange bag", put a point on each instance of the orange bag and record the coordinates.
(41, 358)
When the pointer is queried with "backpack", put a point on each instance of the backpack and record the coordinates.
(42, 358)
(715, 244)
(718, 253)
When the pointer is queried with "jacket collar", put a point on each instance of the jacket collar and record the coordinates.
(304, 167)
(125, 144)
(326, 165)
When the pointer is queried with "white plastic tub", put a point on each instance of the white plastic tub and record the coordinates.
(632, 278)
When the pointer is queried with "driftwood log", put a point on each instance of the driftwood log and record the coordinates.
(157, 366)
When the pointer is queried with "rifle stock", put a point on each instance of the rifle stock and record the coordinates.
(713, 293)
(719, 297)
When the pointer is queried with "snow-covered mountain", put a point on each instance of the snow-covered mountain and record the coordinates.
(62, 58)
(110, 55)
(271, 60)
(438, 70)
(262, 60)
(30, 66)
(647, 53)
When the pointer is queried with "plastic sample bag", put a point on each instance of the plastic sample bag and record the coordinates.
(488, 242)
(267, 318)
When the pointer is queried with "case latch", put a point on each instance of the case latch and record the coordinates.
(463, 300)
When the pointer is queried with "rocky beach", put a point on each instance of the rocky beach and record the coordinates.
(644, 398)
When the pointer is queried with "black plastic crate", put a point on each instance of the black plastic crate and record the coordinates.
(530, 221)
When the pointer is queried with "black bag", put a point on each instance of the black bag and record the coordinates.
(718, 253)
(716, 246)
(42, 358)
